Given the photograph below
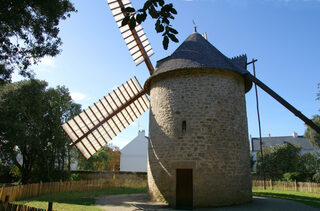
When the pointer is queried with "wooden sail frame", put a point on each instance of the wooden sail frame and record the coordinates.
(135, 39)
(98, 124)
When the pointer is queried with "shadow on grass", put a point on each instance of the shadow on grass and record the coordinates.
(86, 198)
(312, 201)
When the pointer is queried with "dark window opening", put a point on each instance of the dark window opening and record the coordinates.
(184, 126)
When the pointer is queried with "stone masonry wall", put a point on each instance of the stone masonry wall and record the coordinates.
(215, 144)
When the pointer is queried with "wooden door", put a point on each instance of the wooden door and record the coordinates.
(184, 189)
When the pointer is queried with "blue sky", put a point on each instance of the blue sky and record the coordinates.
(282, 34)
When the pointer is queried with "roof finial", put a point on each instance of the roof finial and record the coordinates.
(195, 26)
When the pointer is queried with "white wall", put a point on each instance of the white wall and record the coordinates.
(134, 155)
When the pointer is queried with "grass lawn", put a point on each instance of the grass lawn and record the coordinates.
(311, 199)
(76, 200)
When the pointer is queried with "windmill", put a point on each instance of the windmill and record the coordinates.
(198, 148)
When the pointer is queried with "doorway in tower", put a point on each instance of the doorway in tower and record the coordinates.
(184, 189)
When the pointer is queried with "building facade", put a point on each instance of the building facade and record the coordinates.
(198, 152)
(134, 155)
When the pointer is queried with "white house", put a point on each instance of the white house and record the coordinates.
(134, 155)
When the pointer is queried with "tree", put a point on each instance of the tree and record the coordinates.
(97, 162)
(107, 158)
(310, 163)
(30, 119)
(29, 31)
(158, 10)
(312, 136)
(279, 159)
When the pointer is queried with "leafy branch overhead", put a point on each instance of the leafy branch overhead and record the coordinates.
(158, 10)
(29, 31)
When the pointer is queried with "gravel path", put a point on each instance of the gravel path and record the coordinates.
(135, 202)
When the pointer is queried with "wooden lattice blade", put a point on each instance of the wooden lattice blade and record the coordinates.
(136, 40)
(283, 102)
(105, 119)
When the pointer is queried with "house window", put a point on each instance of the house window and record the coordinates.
(184, 126)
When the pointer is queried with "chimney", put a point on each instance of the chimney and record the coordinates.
(294, 134)
(141, 133)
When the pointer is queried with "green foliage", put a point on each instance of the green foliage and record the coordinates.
(279, 159)
(74, 177)
(312, 136)
(310, 163)
(316, 177)
(158, 10)
(15, 172)
(30, 125)
(286, 162)
(252, 162)
(292, 176)
(98, 161)
(29, 31)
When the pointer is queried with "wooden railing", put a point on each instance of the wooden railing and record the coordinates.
(31, 190)
(292, 186)
(6, 206)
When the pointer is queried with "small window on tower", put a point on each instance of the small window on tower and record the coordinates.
(184, 126)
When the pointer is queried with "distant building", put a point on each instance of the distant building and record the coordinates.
(296, 140)
(134, 155)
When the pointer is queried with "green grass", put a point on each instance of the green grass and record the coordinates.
(84, 200)
(76, 200)
(311, 199)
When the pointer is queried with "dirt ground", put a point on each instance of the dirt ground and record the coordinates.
(136, 202)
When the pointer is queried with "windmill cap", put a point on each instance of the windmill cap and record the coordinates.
(197, 53)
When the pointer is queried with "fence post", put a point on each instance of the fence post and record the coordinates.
(6, 201)
(295, 185)
(60, 182)
(2, 191)
(271, 184)
(50, 204)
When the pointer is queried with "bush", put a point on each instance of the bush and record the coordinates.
(316, 177)
(15, 173)
(291, 176)
(74, 177)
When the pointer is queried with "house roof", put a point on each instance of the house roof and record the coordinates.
(197, 52)
(273, 141)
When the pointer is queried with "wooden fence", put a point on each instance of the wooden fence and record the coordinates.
(292, 186)
(31, 190)
(6, 206)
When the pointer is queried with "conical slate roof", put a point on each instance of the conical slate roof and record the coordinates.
(197, 52)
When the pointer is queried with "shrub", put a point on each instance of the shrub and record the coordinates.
(15, 173)
(316, 177)
(291, 176)
(74, 177)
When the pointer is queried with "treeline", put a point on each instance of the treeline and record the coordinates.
(285, 162)
(33, 146)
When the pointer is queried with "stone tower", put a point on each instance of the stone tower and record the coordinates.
(198, 152)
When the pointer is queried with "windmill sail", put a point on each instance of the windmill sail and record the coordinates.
(136, 40)
(105, 119)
